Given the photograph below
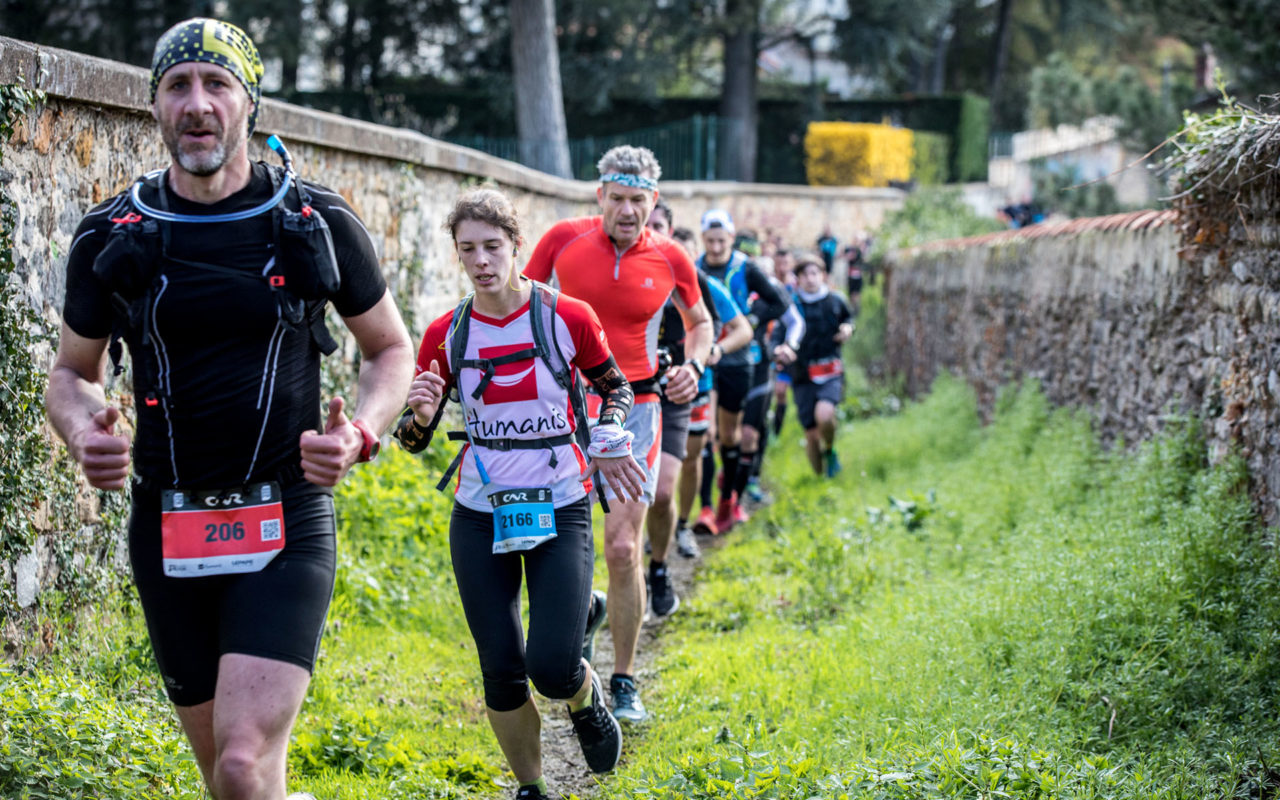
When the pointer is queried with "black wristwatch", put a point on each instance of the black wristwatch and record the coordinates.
(697, 365)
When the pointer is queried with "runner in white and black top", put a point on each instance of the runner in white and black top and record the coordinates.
(816, 366)
(215, 273)
(511, 353)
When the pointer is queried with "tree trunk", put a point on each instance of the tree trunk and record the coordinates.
(738, 94)
(1000, 50)
(350, 61)
(941, 44)
(544, 138)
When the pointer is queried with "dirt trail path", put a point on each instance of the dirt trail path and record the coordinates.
(562, 763)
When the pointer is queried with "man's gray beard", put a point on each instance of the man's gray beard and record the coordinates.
(201, 163)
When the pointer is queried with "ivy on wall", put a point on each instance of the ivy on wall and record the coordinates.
(22, 455)
(37, 480)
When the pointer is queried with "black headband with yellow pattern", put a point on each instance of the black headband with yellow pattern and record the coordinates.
(213, 42)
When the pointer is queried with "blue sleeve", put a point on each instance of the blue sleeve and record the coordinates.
(725, 307)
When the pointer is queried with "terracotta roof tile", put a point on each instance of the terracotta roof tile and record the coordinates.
(1144, 219)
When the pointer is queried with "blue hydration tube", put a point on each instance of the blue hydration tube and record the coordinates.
(275, 144)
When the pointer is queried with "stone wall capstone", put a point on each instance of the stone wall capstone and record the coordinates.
(94, 134)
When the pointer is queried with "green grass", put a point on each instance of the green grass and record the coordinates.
(968, 611)
(1005, 611)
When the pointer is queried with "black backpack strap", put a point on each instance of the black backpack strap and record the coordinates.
(459, 332)
(461, 327)
(562, 370)
(320, 335)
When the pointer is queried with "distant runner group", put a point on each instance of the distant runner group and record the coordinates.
(620, 365)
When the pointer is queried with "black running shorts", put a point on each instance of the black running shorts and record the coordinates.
(675, 427)
(732, 385)
(756, 406)
(808, 394)
(277, 613)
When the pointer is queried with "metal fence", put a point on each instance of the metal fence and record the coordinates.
(686, 149)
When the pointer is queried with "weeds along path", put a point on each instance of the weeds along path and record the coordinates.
(562, 763)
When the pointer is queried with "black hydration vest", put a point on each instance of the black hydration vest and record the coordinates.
(302, 275)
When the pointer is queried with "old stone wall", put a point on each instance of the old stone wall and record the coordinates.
(93, 135)
(1115, 314)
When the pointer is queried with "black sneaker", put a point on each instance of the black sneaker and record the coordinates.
(595, 618)
(687, 543)
(531, 793)
(598, 732)
(626, 699)
(662, 597)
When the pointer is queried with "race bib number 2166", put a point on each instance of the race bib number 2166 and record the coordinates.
(221, 532)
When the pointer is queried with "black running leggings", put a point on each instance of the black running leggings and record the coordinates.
(559, 575)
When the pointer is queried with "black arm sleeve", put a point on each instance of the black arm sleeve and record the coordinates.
(614, 391)
(412, 436)
(778, 334)
(769, 303)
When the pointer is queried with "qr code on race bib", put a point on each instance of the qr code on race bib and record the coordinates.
(270, 530)
(544, 520)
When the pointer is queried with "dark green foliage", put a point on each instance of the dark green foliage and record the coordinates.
(1242, 34)
(1062, 94)
(1059, 188)
(969, 162)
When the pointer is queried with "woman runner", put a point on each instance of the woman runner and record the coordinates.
(522, 502)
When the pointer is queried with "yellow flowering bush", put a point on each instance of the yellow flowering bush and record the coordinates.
(856, 154)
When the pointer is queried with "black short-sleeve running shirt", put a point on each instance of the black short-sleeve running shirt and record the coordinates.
(239, 385)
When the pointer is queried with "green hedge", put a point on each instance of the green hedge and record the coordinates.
(929, 160)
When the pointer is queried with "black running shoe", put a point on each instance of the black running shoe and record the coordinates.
(662, 597)
(598, 732)
(626, 699)
(531, 793)
(595, 618)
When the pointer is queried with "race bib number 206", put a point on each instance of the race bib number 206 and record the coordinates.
(221, 532)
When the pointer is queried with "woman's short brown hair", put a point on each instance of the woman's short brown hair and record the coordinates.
(489, 206)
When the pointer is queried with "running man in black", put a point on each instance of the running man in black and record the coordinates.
(735, 374)
(522, 506)
(216, 273)
(816, 367)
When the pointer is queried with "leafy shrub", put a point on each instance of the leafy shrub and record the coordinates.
(393, 534)
(358, 746)
(929, 214)
(856, 154)
(929, 157)
(62, 737)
